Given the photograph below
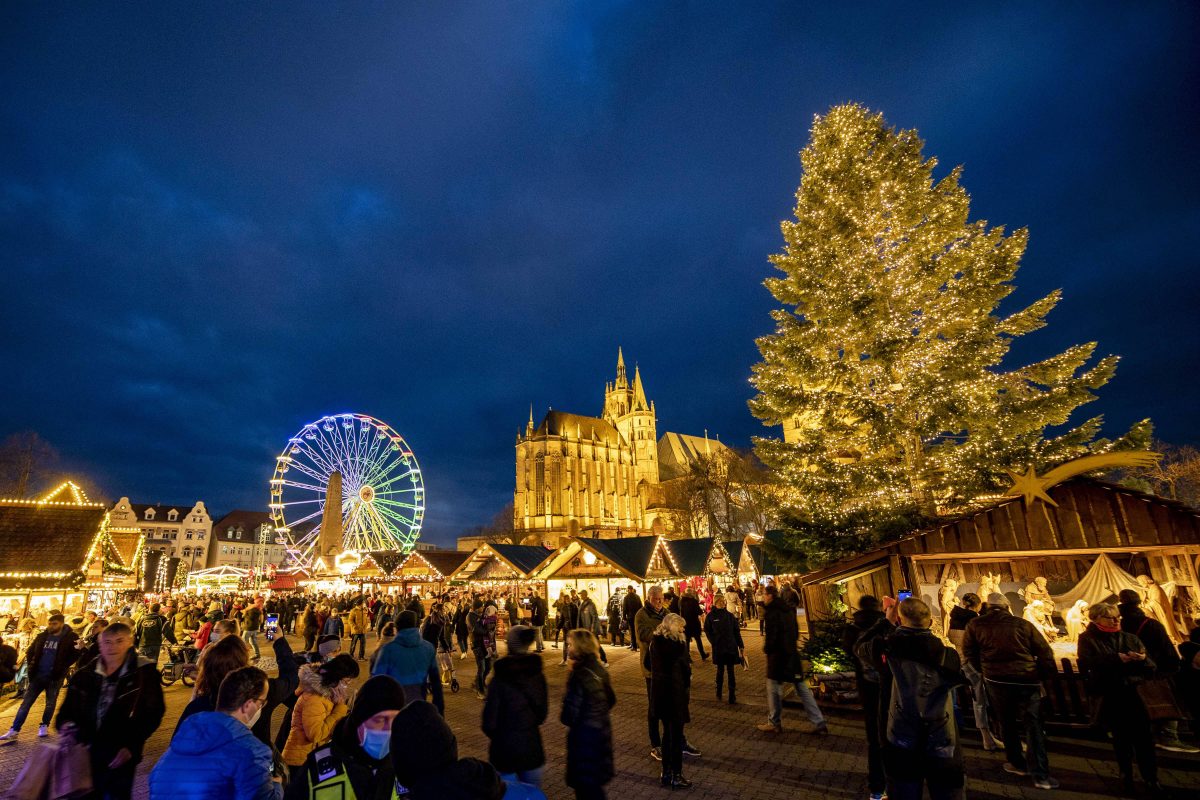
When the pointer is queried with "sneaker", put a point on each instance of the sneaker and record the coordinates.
(1009, 768)
(656, 753)
(9, 737)
(1178, 747)
(1046, 783)
(769, 727)
(879, 796)
(43, 731)
(689, 750)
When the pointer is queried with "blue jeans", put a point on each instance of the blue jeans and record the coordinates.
(775, 702)
(1019, 707)
(37, 685)
(251, 638)
(533, 777)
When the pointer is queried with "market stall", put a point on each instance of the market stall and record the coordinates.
(503, 567)
(224, 578)
(429, 571)
(1050, 559)
(604, 566)
(705, 563)
(59, 554)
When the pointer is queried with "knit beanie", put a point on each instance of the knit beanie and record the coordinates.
(381, 693)
(406, 619)
(328, 645)
(520, 638)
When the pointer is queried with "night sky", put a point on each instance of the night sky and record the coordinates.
(220, 222)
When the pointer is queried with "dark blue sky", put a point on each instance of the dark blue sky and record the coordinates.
(220, 223)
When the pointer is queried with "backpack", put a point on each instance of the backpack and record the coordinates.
(921, 710)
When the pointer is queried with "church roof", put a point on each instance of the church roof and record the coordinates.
(678, 451)
(570, 426)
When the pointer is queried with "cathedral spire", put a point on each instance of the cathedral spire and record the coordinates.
(622, 380)
(529, 425)
(639, 393)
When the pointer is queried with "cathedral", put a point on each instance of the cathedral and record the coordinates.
(600, 476)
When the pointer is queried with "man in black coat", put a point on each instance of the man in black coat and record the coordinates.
(537, 618)
(630, 606)
(689, 609)
(1163, 653)
(516, 707)
(867, 679)
(114, 705)
(779, 645)
(921, 746)
(48, 659)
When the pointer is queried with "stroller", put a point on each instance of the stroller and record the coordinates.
(181, 665)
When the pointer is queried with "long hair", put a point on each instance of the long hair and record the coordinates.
(671, 627)
(219, 660)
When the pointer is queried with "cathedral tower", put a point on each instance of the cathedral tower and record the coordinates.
(626, 407)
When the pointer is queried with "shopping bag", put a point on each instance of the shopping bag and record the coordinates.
(1159, 700)
(72, 773)
(33, 781)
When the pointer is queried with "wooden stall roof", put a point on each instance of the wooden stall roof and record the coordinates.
(632, 557)
(521, 560)
(1090, 516)
(45, 546)
(691, 555)
(441, 563)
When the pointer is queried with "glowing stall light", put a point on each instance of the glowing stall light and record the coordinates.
(383, 495)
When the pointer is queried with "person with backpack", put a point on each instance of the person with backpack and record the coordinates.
(920, 746)
(148, 635)
(866, 680)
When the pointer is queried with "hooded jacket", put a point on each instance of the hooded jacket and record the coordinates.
(370, 779)
(313, 718)
(921, 708)
(725, 635)
(861, 621)
(516, 707)
(214, 757)
(278, 689)
(64, 656)
(412, 661)
(425, 760)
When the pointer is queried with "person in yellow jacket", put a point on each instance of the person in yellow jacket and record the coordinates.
(356, 626)
(355, 764)
(323, 694)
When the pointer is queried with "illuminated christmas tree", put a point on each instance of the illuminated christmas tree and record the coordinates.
(887, 365)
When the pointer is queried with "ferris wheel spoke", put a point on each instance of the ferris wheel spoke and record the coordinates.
(383, 501)
(297, 485)
(386, 534)
(403, 522)
(383, 486)
(320, 468)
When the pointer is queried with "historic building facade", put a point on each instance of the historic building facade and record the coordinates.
(246, 539)
(600, 476)
(181, 531)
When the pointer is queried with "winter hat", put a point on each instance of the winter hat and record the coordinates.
(997, 599)
(328, 645)
(381, 693)
(406, 619)
(520, 638)
(421, 741)
(338, 669)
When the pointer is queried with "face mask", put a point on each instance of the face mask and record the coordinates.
(216, 637)
(376, 744)
(254, 719)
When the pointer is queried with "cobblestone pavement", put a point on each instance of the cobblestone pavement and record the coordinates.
(737, 761)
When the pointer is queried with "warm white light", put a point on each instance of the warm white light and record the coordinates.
(589, 557)
(347, 562)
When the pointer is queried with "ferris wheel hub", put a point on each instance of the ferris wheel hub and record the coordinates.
(366, 494)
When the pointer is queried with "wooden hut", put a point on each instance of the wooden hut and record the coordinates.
(429, 570)
(61, 554)
(494, 565)
(604, 566)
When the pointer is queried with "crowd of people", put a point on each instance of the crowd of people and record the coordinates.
(389, 737)
(908, 679)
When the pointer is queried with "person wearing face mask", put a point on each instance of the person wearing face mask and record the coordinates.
(355, 764)
(214, 755)
(324, 691)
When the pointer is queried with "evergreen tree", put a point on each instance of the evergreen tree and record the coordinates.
(885, 366)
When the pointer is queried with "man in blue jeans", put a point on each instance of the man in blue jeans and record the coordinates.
(48, 659)
(1013, 657)
(779, 645)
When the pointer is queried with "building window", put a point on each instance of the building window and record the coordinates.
(187, 551)
(200, 535)
(149, 513)
(199, 550)
(172, 515)
(189, 534)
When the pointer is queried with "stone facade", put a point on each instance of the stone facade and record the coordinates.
(595, 476)
(246, 539)
(183, 531)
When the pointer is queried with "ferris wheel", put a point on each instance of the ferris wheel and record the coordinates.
(374, 475)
